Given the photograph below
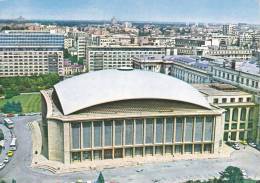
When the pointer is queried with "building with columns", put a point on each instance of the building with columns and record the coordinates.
(241, 111)
(112, 114)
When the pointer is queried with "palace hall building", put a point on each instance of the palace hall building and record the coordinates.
(122, 114)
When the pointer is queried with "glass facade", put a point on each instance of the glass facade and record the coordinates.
(110, 139)
(31, 39)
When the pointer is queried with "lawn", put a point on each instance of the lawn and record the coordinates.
(30, 102)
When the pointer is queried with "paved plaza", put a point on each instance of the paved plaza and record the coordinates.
(165, 172)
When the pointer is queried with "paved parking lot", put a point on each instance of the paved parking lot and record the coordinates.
(175, 171)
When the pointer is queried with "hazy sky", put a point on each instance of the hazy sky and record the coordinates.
(147, 10)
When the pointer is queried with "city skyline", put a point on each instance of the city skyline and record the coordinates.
(130, 10)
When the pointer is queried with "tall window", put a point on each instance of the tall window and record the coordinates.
(149, 131)
(188, 129)
(209, 128)
(243, 114)
(199, 128)
(108, 133)
(169, 130)
(179, 129)
(87, 135)
(227, 115)
(75, 135)
(118, 132)
(251, 114)
(139, 123)
(129, 131)
(97, 133)
(159, 130)
(235, 114)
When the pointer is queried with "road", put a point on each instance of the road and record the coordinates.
(176, 171)
(7, 141)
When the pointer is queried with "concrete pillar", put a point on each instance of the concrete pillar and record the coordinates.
(67, 142)
(113, 139)
(154, 135)
(144, 135)
(164, 135)
(123, 140)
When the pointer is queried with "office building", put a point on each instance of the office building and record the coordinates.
(186, 68)
(241, 111)
(113, 57)
(26, 53)
(229, 29)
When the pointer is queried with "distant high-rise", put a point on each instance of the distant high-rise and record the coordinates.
(25, 53)
(229, 29)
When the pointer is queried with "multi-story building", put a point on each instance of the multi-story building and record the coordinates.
(246, 40)
(229, 29)
(241, 111)
(246, 76)
(189, 42)
(113, 57)
(243, 54)
(68, 43)
(26, 53)
(81, 47)
(188, 69)
(72, 68)
(119, 114)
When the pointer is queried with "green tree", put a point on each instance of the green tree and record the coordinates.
(231, 175)
(100, 178)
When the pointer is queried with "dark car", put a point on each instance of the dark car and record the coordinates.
(229, 143)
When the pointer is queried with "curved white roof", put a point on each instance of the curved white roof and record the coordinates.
(105, 86)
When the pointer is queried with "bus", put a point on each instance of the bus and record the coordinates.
(13, 144)
(9, 123)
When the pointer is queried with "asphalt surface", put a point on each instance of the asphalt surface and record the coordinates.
(7, 141)
(170, 172)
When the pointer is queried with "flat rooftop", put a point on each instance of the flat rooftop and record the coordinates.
(219, 89)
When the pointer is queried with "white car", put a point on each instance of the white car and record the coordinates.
(2, 165)
(252, 144)
(236, 146)
(6, 160)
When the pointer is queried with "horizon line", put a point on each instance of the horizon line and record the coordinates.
(121, 21)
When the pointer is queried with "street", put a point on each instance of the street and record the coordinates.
(7, 141)
(175, 171)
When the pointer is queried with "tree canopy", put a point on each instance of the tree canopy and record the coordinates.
(12, 86)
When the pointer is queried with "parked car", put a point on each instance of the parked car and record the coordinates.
(6, 160)
(10, 153)
(2, 165)
(236, 146)
(252, 144)
(229, 143)
(10, 115)
(243, 142)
